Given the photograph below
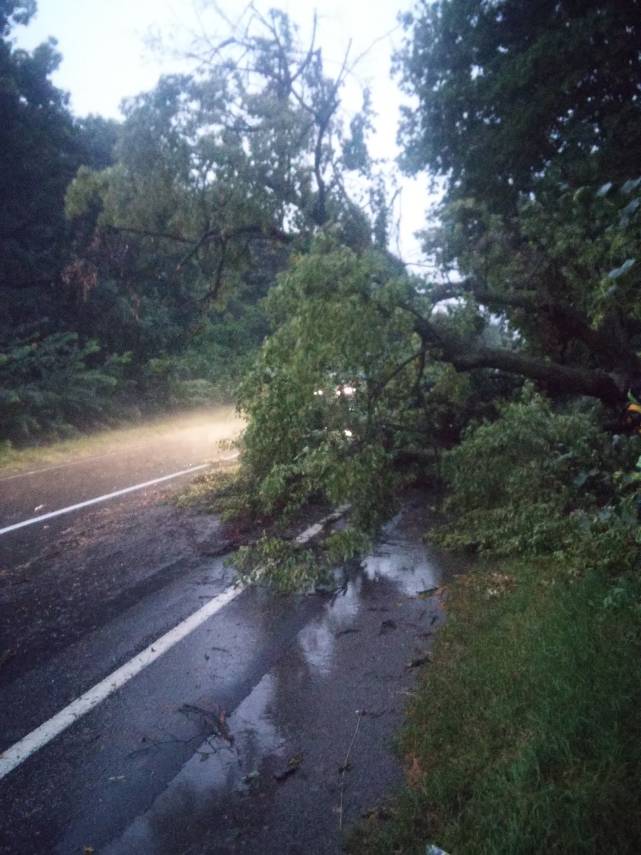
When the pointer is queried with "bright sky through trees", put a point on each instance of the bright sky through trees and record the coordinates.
(107, 56)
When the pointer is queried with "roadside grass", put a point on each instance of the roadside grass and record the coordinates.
(525, 733)
(110, 440)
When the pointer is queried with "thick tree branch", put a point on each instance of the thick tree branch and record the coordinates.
(564, 378)
(150, 233)
(566, 319)
(571, 323)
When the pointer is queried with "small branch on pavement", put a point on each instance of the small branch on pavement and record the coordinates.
(345, 767)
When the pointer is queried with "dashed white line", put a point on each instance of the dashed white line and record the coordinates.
(38, 738)
(98, 499)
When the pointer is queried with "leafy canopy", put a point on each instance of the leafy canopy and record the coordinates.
(510, 91)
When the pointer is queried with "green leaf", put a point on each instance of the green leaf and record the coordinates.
(619, 271)
(604, 189)
(631, 185)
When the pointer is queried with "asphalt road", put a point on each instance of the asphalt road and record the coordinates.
(127, 459)
(233, 739)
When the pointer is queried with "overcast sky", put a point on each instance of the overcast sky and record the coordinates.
(107, 57)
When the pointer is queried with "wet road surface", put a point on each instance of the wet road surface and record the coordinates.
(120, 463)
(65, 577)
(234, 739)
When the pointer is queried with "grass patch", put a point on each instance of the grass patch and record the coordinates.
(525, 735)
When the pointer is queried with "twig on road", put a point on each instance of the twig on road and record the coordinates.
(345, 767)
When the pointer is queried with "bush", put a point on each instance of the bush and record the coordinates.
(541, 481)
(48, 386)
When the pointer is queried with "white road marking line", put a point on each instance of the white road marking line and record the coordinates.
(314, 530)
(38, 738)
(104, 498)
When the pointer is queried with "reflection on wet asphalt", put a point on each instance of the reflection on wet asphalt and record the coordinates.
(348, 660)
(233, 740)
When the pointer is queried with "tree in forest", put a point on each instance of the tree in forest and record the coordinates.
(219, 176)
(46, 380)
(511, 92)
(42, 148)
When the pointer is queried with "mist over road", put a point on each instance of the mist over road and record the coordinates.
(62, 575)
(120, 459)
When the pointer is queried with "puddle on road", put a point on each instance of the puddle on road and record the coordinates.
(220, 779)
(317, 641)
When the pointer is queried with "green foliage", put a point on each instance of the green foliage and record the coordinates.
(537, 480)
(42, 147)
(561, 250)
(343, 404)
(215, 165)
(287, 566)
(48, 386)
(525, 735)
(327, 381)
(51, 376)
(178, 220)
(541, 206)
(345, 545)
(275, 559)
(281, 564)
(206, 366)
(510, 90)
(217, 174)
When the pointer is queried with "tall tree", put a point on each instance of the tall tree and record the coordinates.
(524, 110)
(247, 151)
(512, 90)
(42, 148)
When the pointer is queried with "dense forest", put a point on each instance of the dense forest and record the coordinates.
(230, 238)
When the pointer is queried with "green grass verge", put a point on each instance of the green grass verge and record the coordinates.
(525, 734)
